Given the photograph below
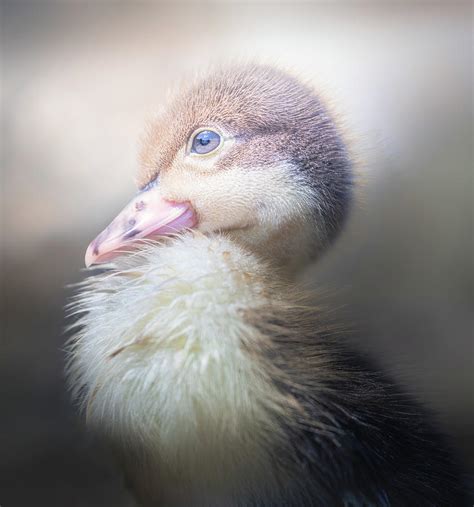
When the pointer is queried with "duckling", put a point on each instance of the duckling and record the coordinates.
(198, 356)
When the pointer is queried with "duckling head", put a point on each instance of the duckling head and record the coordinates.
(249, 152)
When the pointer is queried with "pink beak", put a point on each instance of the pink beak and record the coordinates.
(148, 215)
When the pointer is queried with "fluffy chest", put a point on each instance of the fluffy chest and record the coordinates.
(162, 365)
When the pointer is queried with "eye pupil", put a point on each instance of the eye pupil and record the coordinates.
(205, 141)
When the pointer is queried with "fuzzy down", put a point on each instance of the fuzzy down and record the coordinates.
(160, 362)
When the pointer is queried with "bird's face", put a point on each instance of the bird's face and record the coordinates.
(227, 156)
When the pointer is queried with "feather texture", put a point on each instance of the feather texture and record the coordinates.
(219, 385)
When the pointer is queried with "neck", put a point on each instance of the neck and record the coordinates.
(288, 250)
(163, 362)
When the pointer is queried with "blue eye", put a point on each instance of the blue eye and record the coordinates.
(205, 141)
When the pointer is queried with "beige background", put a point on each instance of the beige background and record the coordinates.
(78, 79)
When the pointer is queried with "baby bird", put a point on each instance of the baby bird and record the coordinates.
(195, 353)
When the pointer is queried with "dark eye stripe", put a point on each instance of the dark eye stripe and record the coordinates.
(205, 141)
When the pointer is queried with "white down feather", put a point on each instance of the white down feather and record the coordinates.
(160, 360)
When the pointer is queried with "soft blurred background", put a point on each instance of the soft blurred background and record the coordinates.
(79, 78)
